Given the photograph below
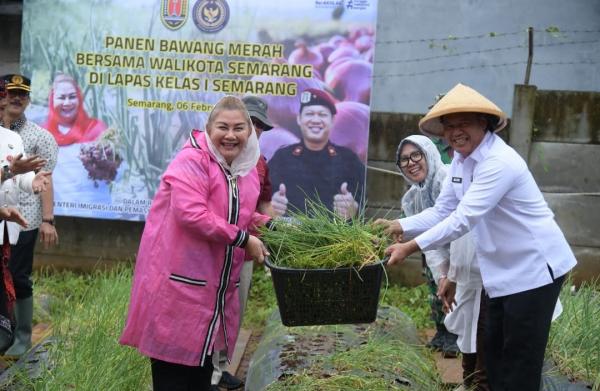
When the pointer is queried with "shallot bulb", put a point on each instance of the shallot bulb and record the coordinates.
(304, 55)
(336, 40)
(351, 128)
(350, 80)
(357, 32)
(343, 52)
(364, 43)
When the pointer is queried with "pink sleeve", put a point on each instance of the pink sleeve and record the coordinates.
(188, 179)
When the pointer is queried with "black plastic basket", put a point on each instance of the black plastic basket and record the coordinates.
(308, 297)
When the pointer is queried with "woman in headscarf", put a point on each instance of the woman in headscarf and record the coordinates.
(67, 120)
(184, 300)
(421, 166)
(74, 130)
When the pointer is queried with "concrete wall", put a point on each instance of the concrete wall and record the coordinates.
(487, 49)
(564, 158)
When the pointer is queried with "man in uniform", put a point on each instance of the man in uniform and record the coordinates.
(315, 168)
(38, 210)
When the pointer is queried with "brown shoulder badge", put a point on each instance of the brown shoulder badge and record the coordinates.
(331, 150)
(297, 151)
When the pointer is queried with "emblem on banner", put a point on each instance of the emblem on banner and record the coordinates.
(174, 13)
(211, 16)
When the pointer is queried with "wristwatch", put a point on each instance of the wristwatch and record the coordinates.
(6, 174)
(49, 221)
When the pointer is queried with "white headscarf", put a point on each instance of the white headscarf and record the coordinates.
(249, 156)
(422, 195)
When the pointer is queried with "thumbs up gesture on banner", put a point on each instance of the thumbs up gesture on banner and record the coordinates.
(279, 201)
(344, 203)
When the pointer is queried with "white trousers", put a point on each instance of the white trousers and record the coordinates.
(219, 359)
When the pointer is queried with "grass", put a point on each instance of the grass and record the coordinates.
(261, 300)
(574, 342)
(88, 314)
(413, 301)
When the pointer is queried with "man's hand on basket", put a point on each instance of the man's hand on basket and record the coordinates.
(392, 228)
(255, 249)
(399, 251)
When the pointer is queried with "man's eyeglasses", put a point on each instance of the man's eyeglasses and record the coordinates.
(414, 156)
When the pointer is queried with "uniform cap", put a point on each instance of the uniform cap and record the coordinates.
(16, 82)
(314, 97)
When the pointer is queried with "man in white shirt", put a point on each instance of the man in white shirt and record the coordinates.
(522, 253)
(38, 209)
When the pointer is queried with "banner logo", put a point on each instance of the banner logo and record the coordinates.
(174, 13)
(211, 16)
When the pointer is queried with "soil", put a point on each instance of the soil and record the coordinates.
(250, 348)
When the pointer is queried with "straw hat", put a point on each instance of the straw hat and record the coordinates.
(460, 99)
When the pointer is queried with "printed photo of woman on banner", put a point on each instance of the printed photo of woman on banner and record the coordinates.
(123, 87)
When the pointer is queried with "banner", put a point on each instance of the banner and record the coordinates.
(120, 84)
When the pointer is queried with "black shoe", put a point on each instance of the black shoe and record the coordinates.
(450, 348)
(214, 388)
(438, 341)
(230, 382)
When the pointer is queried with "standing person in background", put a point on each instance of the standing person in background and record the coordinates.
(16, 175)
(421, 166)
(38, 209)
(316, 168)
(184, 300)
(257, 109)
(523, 255)
(464, 301)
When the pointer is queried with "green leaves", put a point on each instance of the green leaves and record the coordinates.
(574, 341)
(321, 239)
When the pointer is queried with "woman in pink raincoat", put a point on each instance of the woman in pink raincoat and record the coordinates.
(184, 299)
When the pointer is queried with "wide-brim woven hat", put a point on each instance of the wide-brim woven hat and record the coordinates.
(460, 99)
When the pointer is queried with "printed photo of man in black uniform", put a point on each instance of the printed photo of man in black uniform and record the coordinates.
(315, 168)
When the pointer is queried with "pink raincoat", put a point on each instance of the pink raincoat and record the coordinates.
(184, 299)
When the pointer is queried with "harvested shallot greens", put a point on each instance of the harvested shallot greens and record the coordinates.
(320, 239)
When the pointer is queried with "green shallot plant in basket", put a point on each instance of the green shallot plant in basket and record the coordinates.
(320, 239)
